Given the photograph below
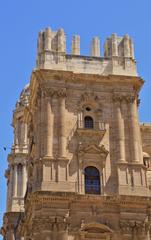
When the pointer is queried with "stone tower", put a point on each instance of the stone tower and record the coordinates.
(79, 168)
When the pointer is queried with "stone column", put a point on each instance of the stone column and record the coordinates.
(120, 136)
(42, 125)
(16, 132)
(134, 130)
(38, 135)
(49, 128)
(10, 183)
(62, 130)
(15, 181)
(24, 181)
(10, 189)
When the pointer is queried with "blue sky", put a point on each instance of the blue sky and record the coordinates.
(20, 22)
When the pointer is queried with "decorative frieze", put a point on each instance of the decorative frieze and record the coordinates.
(135, 226)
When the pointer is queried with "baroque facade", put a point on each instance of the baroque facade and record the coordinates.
(79, 168)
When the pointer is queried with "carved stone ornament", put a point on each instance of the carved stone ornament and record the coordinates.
(50, 92)
(93, 149)
(123, 98)
(53, 223)
(95, 227)
(140, 227)
(89, 98)
(90, 136)
(47, 92)
(99, 153)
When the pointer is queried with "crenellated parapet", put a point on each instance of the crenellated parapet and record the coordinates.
(118, 54)
(116, 46)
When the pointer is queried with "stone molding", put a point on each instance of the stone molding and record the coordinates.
(48, 196)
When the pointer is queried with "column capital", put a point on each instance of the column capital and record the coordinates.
(129, 98)
(61, 93)
(117, 98)
(47, 92)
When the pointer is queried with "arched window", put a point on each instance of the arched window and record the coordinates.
(92, 180)
(88, 122)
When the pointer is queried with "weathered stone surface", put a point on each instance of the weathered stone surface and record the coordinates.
(80, 112)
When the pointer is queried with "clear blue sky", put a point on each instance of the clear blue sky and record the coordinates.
(20, 22)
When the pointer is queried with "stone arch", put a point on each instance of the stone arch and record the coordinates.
(96, 226)
(90, 230)
(88, 122)
(92, 180)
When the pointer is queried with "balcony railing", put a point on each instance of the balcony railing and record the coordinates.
(97, 126)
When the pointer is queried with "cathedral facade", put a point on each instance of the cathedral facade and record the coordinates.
(79, 167)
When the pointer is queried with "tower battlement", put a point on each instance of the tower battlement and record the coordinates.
(118, 55)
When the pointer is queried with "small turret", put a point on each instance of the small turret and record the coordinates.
(114, 43)
(95, 47)
(61, 43)
(126, 43)
(51, 41)
(119, 47)
(75, 49)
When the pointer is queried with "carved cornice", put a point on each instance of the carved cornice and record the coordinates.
(48, 196)
(45, 74)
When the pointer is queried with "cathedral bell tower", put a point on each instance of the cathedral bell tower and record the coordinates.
(86, 178)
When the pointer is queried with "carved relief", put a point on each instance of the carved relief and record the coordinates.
(139, 227)
(99, 155)
(89, 98)
(53, 223)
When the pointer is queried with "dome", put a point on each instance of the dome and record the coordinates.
(24, 96)
(25, 91)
